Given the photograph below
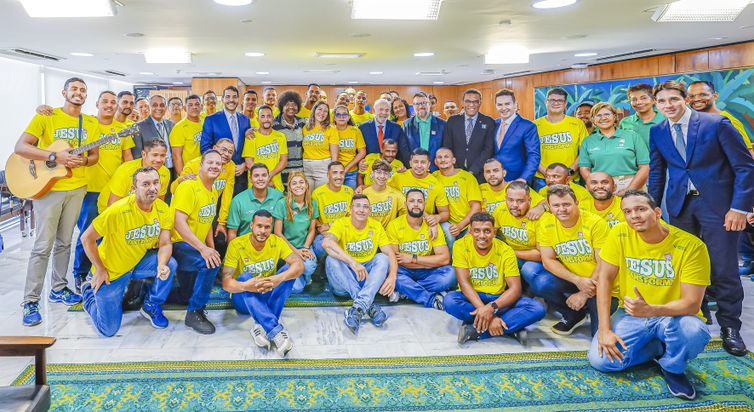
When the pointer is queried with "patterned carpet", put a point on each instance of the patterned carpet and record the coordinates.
(529, 381)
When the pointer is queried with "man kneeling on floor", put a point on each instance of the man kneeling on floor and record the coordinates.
(353, 266)
(256, 287)
(489, 302)
(662, 273)
(129, 228)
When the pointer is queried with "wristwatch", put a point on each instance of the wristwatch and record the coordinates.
(414, 258)
(494, 307)
(52, 157)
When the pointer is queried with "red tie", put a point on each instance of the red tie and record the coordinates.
(380, 135)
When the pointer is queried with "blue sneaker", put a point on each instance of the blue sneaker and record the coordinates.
(31, 314)
(154, 314)
(353, 319)
(65, 296)
(377, 314)
(678, 384)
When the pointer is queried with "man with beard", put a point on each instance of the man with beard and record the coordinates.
(388, 153)
(423, 260)
(604, 204)
(186, 135)
(422, 131)
(250, 99)
(129, 230)
(292, 127)
(259, 196)
(493, 192)
(702, 97)
(142, 108)
(125, 108)
(175, 109)
(58, 210)
(257, 288)
(312, 96)
(194, 206)
(268, 147)
(462, 191)
(583, 113)
(643, 102)
(560, 174)
(333, 202)
(489, 302)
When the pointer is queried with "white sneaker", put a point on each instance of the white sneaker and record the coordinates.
(260, 337)
(394, 297)
(283, 343)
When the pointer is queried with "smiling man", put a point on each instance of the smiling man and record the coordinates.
(702, 97)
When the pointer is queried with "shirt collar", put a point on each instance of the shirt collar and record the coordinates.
(157, 123)
(419, 120)
(474, 117)
(510, 119)
(229, 114)
(684, 120)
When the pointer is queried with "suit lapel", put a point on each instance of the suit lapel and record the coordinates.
(510, 132)
(692, 134)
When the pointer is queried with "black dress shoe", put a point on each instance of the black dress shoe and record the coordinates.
(733, 343)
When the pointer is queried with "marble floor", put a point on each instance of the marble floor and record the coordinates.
(318, 333)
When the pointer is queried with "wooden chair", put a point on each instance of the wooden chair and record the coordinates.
(35, 397)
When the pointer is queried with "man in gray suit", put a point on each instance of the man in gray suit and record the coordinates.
(156, 126)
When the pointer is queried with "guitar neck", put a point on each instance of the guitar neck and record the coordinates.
(104, 139)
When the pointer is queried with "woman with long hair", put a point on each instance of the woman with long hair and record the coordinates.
(351, 146)
(320, 145)
(399, 111)
(295, 223)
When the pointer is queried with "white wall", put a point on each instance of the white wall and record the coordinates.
(24, 86)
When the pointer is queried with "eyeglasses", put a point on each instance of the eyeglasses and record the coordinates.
(421, 103)
(556, 101)
(476, 102)
(603, 115)
(342, 114)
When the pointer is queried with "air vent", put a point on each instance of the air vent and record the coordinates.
(624, 55)
(27, 54)
(433, 73)
(322, 71)
(488, 72)
(114, 73)
(518, 73)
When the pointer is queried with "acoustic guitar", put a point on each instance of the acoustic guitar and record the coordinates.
(32, 179)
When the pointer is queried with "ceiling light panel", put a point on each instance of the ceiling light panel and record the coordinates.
(395, 9)
(69, 8)
(171, 56)
(691, 11)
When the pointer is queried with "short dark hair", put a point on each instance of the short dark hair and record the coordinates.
(418, 152)
(359, 196)
(266, 107)
(640, 193)
(258, 166)
(261, 213)
(492, 160)
(124, 93)
(585, 104)
(309, 86)
(151, 144)
(503, 92)
(145, 169)
(287, 97)
(333, 164)
(174, 98)
(380, 164)
(71, 80)
(209, 92)
(482, 217)
(231, 88)
(473, 91)
(556, 165)
(680, 87)
(106, 92)
(268, 88)
(193, 97)
(421, 94)
(388, 141)
(415, 190)
(250, 91)
(704, 82)
(517, 185)
(640, 87)
(561, 191)
(141, 98)
(559, 91)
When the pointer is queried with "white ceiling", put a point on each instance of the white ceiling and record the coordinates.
(290, 32)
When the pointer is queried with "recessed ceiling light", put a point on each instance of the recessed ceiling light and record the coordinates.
(167, 55)
(79, 8)
(134, 34)
(146, 73)
(506, 22)
(685, 11)
(438, 82)
(177, 83)
(507, 54)
(253, 54)
(552, 4)
(579, 66)
(718, 38)
(246, 20)
(590, 54)
(266, 82)
(339, 55)
(395, 9)
(424, 54)
(375, 73)
(81, 54)
(353, 82)
(234, 2)
(262, 73)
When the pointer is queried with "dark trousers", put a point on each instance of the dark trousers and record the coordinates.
(699, 219)
(241, 184)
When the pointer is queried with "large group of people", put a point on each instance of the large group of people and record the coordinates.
(490, 220)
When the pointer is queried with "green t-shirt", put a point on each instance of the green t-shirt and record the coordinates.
(637, 125)
(297, 229)
(618, 155)
(244, 205)
(424, 130)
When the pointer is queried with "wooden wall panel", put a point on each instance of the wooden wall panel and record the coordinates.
(199, 85)
(692, 61)
(729, 57)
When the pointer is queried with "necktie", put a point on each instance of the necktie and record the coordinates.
(164, 137)
(680, 145)
(234, 128)
(380, 135)
(501, 134)
(469, 129)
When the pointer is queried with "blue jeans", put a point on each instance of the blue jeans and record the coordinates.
(310, 265)
(189, 260)
(81, 263)
(530, 270)
(350, 179)
(524, 312)
(106, 308)
(421, 285)
(265, 308)
(449, 238)
(317, 249)
(674, 340)
(344, 283)
(539, 183)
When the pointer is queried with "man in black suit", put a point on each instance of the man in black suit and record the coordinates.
(471, 135)
(156, 126)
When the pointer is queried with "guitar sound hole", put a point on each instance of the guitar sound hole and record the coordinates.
(51, 164)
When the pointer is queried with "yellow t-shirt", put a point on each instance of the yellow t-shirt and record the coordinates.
(304, 113)
(267, 149)
(386, 205)
(738, 126)
(316, 143)
(61, 126)
(560, 142)
(361, 118)
(110, 157)
(657, 270)
(200, 204)
(244, 258)
(349, 141)
(574, 246)
(460, 189)
(332, 205)
(188, 135)
(254, 123)
(122, 181)
(518, 233)
(227, 179)
(275, 111)
(410, 240)
(487, 273)
(434, 195)
(582, 195)
(492, 200)
(612, 215)
(370, 159)
(359, 244)
(128, 232)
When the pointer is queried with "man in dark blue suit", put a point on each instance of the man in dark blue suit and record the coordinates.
(710, 188)
(230, 125)
(380, 128)
(516, 139)
(469, 135)
(421, 131)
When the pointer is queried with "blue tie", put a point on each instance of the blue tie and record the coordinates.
(680, 143)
